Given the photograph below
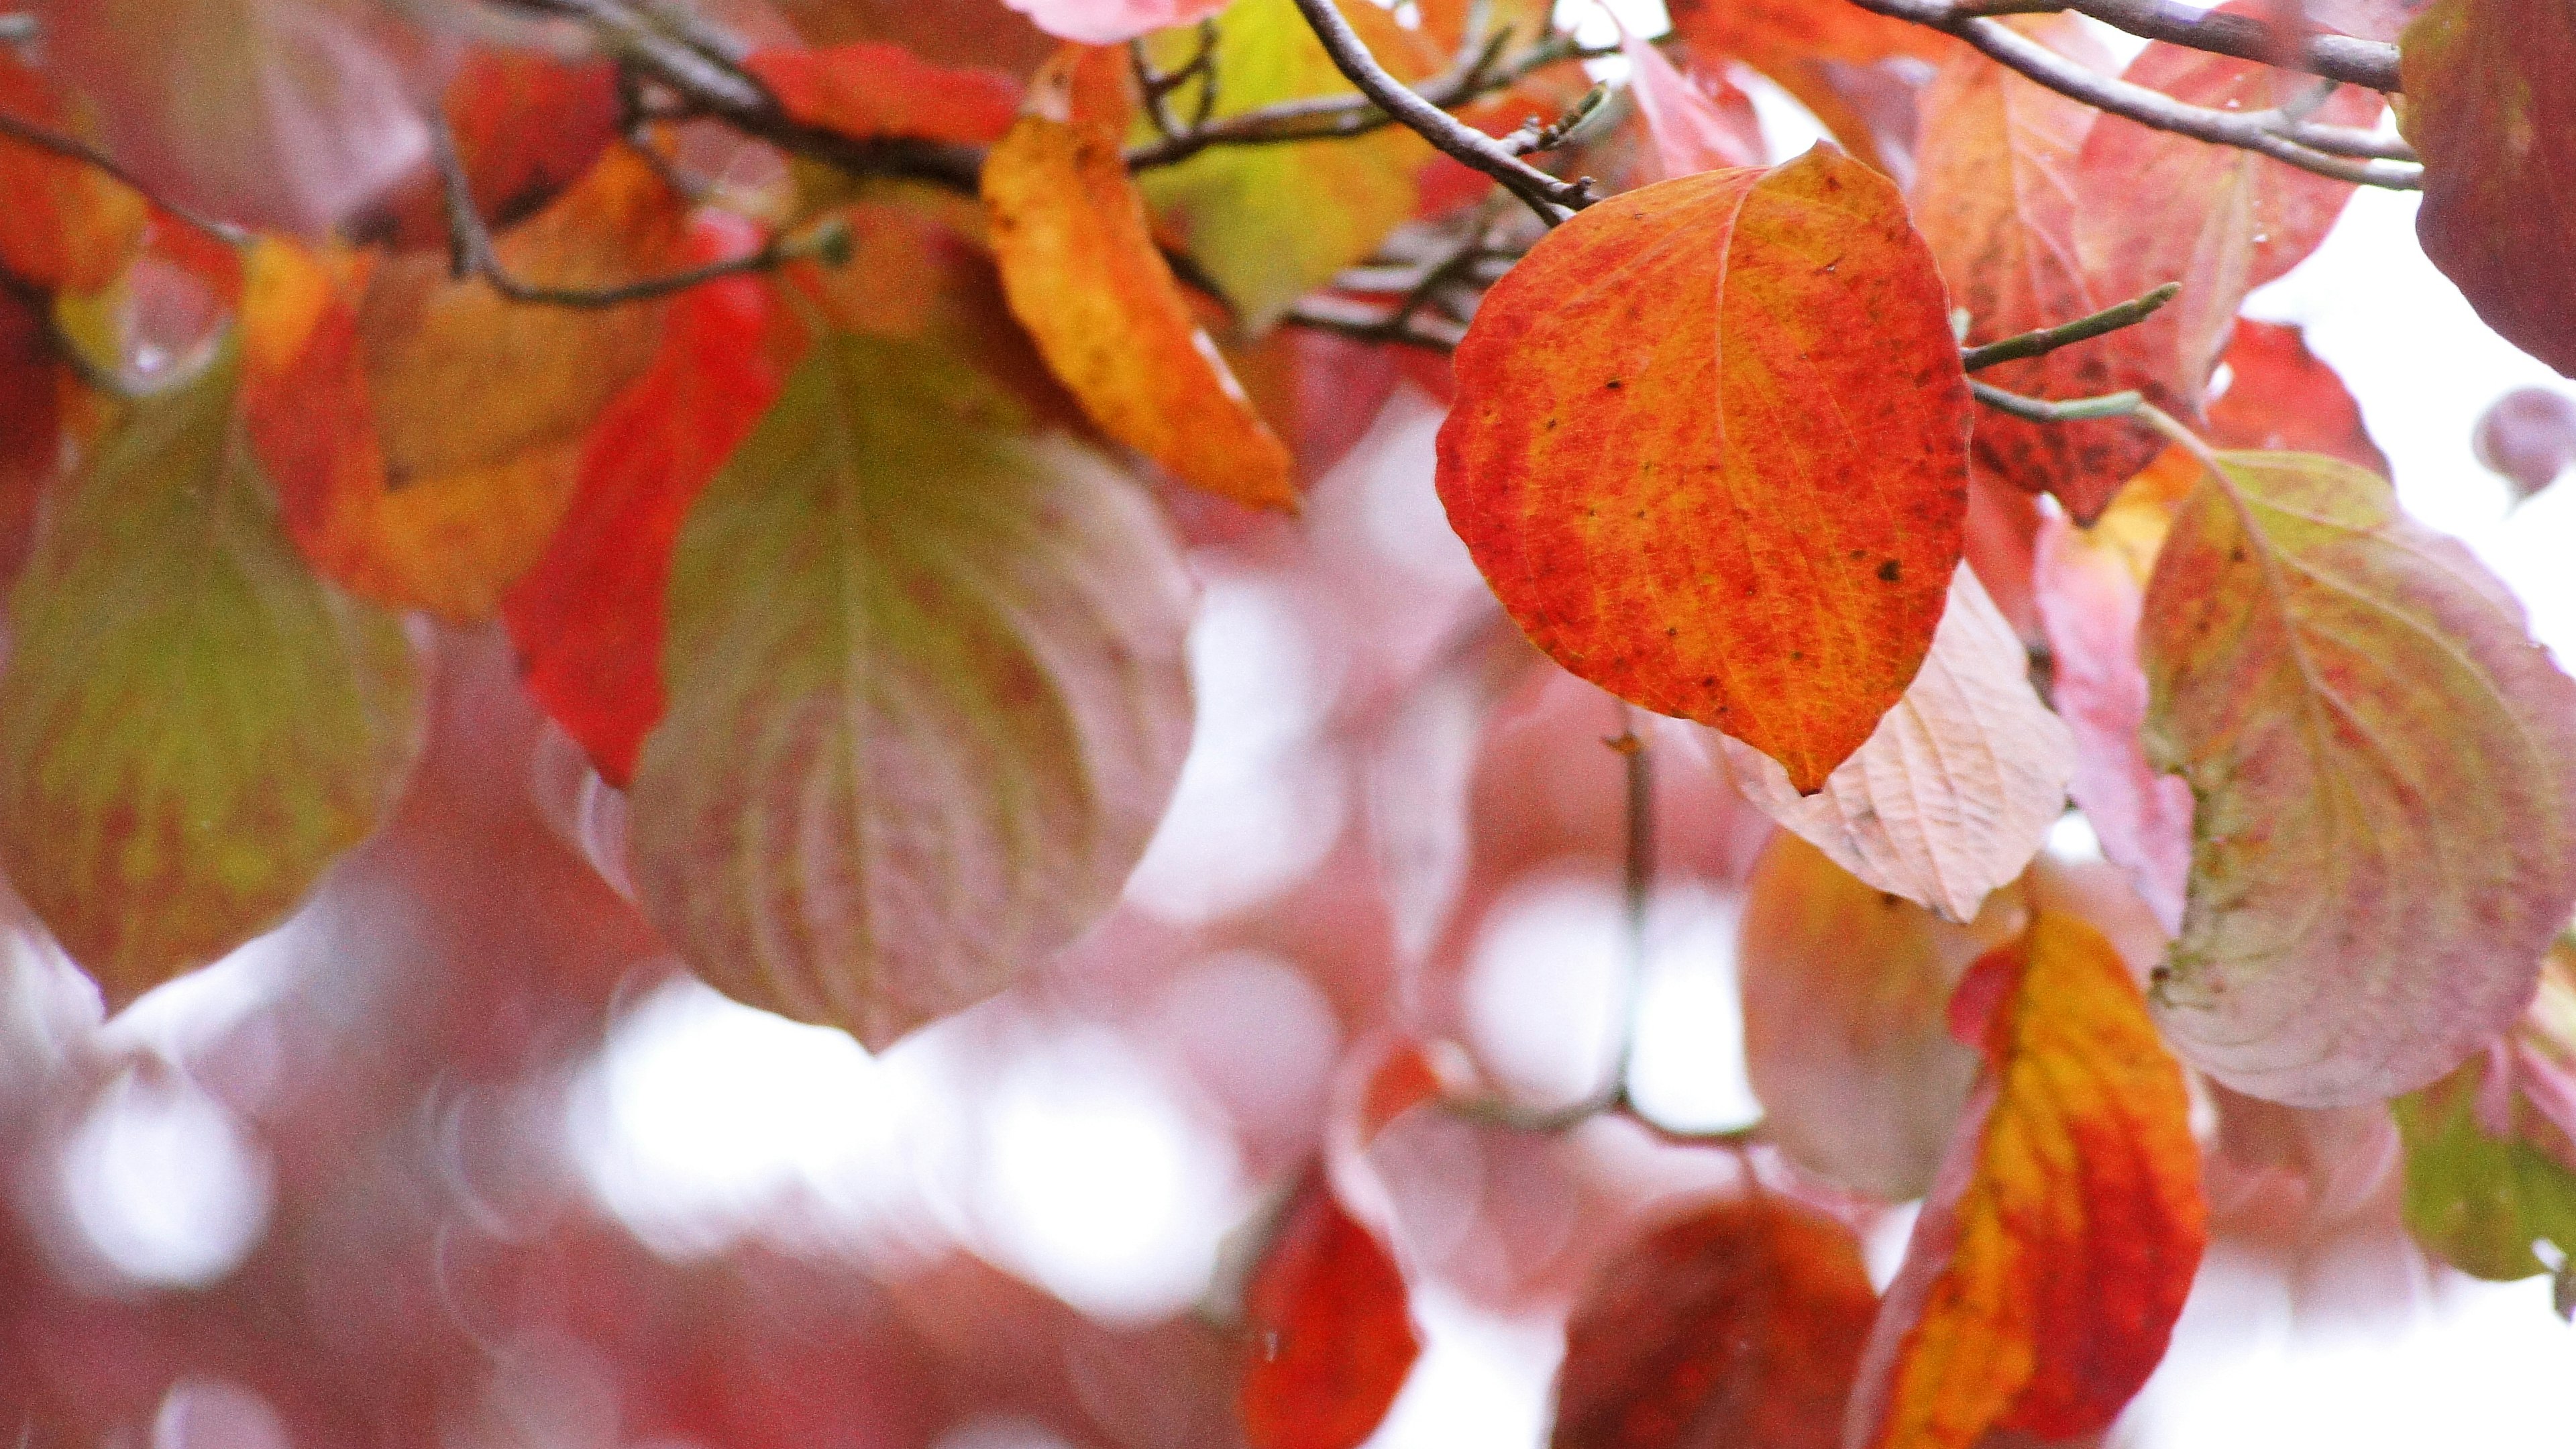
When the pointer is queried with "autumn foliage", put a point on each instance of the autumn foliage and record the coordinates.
(508, 505)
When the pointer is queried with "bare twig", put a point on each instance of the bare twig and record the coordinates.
(1553, 199)
(471, 252)
(89, 155)
(2077, 409)
(1536, 136)
(2082, 329)
(1362, 322)
(1158, 86)
(2323, 150)
(2345, 58)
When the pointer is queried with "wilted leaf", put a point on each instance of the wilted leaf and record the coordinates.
(192, 726)
(2284, 399)
(1695, 126)
(1106, 22)
(1272, 223)
(1085, 278)
(869, 89)
(2157, 207)
(1710, 451)
(1328, 1336)
(2091, 586)
(2050, 1261)
(2491, 1149)
(424, 439)
(1846, 1032)
(2527, 437)
(1956, 788)
(1738, 1324)
(2379, 753)
(2491, 107)
(588, 618)
(66, 225)
(926, 697)
(1995, 197)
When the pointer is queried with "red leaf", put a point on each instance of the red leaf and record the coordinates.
(871, 89)
(1695, 125)
(65, 224)
(1740, 1323)
(588, 618)
(2284, 399)
(1330, 1339)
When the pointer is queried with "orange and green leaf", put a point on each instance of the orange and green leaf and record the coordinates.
(1710, 449)
(2050, 1262)
(2491, 107)
(1083, 275)
(1740, 1322)
(192, 726)
(2383, 843)
(1327, 1333)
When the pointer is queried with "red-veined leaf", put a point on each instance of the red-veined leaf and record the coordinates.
(1328, 1335)
(926, 696)
(2379, 754)
(192, 726)
(588, 618)
(1740, 1322)
(2491, 107)
(1846, 1033)
(66, 225)
(1958, 785)
(1710, 450)
(1083, 275)
(2055, 1251)
(869, 89)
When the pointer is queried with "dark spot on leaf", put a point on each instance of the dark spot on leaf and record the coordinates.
(1890, 571)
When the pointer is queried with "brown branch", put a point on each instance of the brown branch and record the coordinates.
(471, 252)
(2346, 58)
(2272, 133)
(89, 155)
(1551, 198)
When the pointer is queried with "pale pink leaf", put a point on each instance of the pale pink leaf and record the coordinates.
(1694, 127)
(1108, 22)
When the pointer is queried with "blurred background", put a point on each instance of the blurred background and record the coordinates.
(458, 1157)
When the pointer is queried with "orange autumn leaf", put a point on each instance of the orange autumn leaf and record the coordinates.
(2053, 1256)
(1328, 1337)
(63, 223)
(587, 619)
(1739, 1323)
(872, 89)
(424, 433)
(1083, 275)
(1710, 450)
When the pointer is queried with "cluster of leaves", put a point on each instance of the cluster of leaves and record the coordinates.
(824, 419)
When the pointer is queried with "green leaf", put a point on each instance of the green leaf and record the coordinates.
(927, 697)
(192, 725)
(1270, 223)
(2480, 1202)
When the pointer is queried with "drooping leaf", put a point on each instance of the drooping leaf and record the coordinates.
(2156, 207)
(1083, 275)
(1819, 51)
(2285, 399)
(1107, 22)
(1271, 223)
(1995, 197)
(1846, 1032)
(1740, 1322)
(290, 114)
(2382, 846)
(424, 432)
(2527, 437)
(1956, 788)
(31, 431)
(192, 726)
(2491, 107)
(2091, 587)
(588, 618)
(1328, 1335)
(1695, 125)
(926, 696)
(869, 89)
(66, 224)
(1710, 451)
(2050, 1262)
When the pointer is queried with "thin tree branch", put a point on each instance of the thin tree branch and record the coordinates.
(2083, 329)
(89, 155)
(2346, 58)
(471, 252)
(2077, 409)
(1554, 200)
(2271, 132)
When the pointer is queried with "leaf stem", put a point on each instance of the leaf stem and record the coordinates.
(2083, 329)
(89, 155)
(2070, 410)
